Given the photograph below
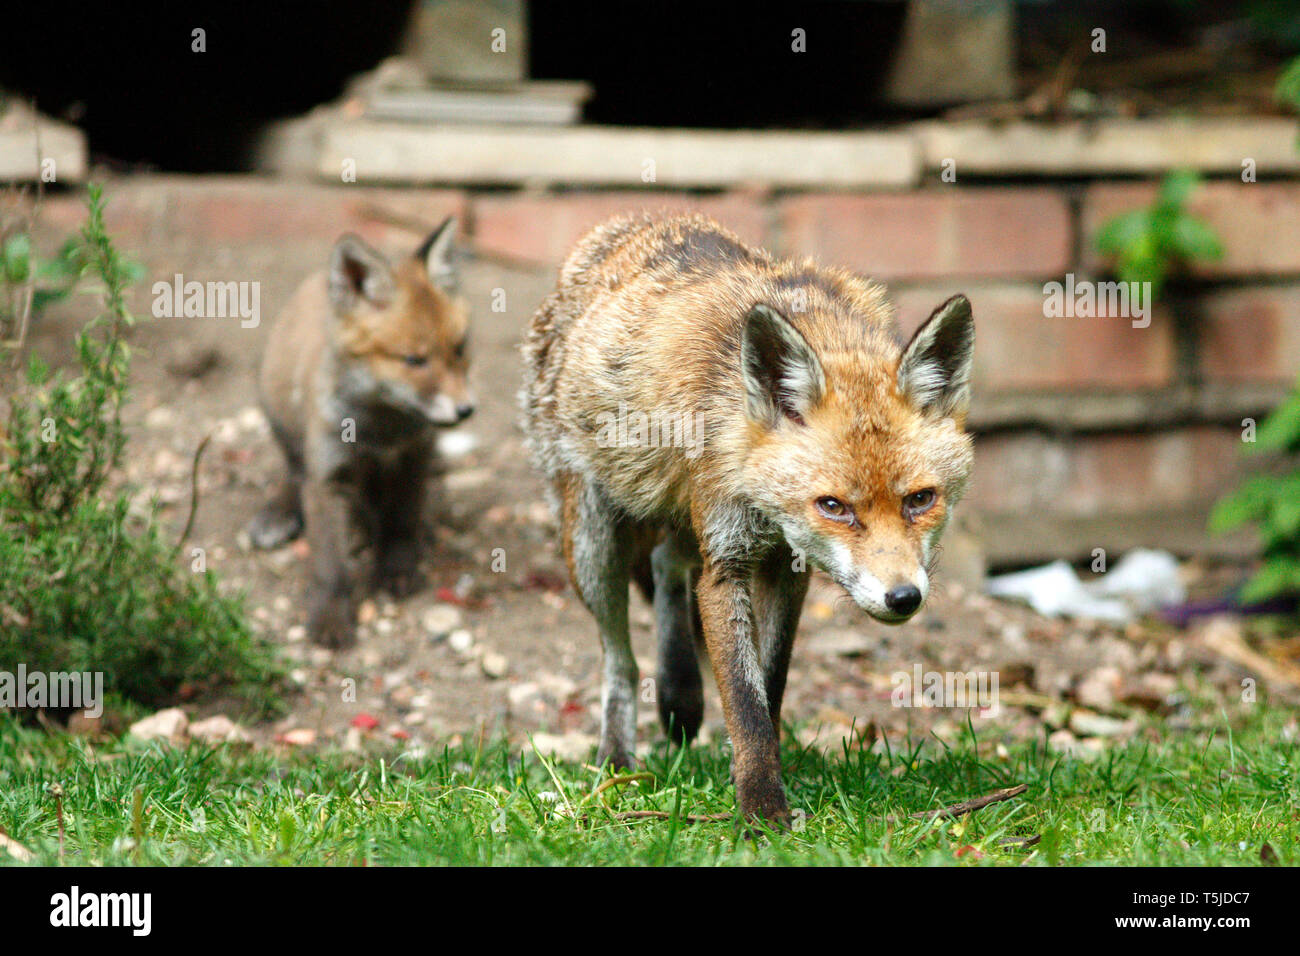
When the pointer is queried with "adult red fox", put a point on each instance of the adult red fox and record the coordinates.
(710, 419)
(363, 363)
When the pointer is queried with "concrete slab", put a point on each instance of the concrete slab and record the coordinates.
(1094, 148)
(608, 156)
(28, 144)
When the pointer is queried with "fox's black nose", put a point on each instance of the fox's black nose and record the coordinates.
(464, 411)
(903, 599)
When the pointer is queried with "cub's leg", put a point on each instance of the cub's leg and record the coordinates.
(680, 691)
(331, 610)
(280, 520)
(400, 495)
(595, 549)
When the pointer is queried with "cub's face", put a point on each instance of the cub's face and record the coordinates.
(403, 331)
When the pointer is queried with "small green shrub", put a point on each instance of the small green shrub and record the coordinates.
(1159, 241)
(1287, 90)
(1272, 504)
(53, 278)
(85, 584)
(29, 284)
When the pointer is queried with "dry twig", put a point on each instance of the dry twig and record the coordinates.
(966, 806)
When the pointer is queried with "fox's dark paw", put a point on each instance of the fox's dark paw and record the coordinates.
(332, 620)
(616, 758)
(763, 799)
(681, 710)
(273, 527)
(397, 569)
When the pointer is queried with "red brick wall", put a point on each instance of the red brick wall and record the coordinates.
(1160, 438)
(1085, 423)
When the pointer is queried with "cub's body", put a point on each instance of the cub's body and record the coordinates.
(363, 363)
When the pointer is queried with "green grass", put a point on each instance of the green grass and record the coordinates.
(1213, 796)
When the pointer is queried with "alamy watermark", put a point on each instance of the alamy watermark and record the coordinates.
(56, 690)
(208, 300)
(1085, 299)
(918, 688)
(658, 428)
(133, 911)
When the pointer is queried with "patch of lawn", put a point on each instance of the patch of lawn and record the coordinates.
(1213, 796)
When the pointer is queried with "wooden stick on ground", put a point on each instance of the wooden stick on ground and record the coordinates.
(194, 491)
(665, 815)
(953, 811)
(966, 806)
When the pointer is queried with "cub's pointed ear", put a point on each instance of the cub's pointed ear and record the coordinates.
(934, 373)
(783, 378)
(358, 272)
(436, 253)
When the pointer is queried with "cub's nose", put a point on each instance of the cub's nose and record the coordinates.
(464, 411)
(903, 599)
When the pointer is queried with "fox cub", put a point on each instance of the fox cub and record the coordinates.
(365, 361)
(710, 419)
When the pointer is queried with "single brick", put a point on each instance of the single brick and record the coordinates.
(939, 233)
(1257, 223)
(543, 228)
(1252, 335)
(1018, 347)
(1088, 475)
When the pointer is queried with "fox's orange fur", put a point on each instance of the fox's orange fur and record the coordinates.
(365, 360)
(822, 440)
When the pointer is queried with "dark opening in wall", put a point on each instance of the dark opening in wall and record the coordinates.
(126, 72)
(720, 65)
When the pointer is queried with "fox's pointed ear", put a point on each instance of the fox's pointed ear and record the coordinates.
(436, 254)
(358, 272)
(783, 377)
(934, 373)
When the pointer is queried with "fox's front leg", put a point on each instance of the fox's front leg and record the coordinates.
(597, 556)
(780, 586)
(331, 615)
(728, 617)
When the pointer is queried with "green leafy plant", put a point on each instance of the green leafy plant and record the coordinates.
(1159, 241)
(1287, 91)
(28, 284)
(1272, 504)
(54, 278)
(86, 583)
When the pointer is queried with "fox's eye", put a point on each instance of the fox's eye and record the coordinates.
(460, 349)
(835, 509)
(919, 502)
(416, 361)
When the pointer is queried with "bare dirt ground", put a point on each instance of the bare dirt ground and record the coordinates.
(512, 651)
